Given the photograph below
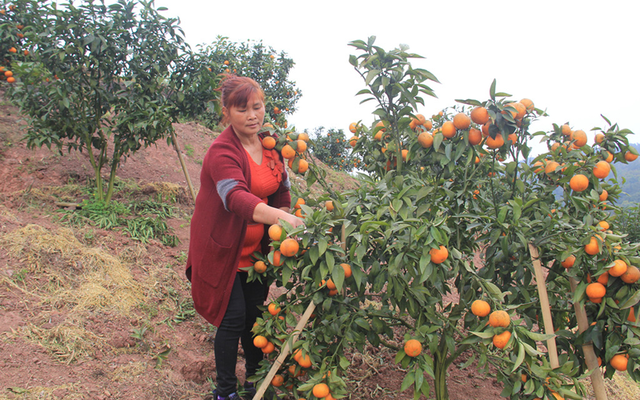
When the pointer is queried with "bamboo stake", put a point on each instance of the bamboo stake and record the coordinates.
(544, 305)
(597, 381)
(184, 166)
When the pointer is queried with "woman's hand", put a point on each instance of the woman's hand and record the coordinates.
(265, 214)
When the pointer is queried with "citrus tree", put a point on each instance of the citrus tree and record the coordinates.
(333, 149)
(95, 78)
(434, 254)
(261, 63)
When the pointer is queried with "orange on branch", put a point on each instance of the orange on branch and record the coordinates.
(301, 146)
(579, 138)
(528, 104)
(499, 319)
(353, 127)
(277, 380)
(321, 390)
(592, 248)
(275, 232)
(566, 130)
(260, 341)
(480, 115)
(480, 308)
(268, 142)
(500, 340)
(347, 270)
(425, 139)
(595, 290)
(620, 362)
(619, 268)
(448, 129)
(277, 257)
(439, 255)
(260, 267)
(631, 275)
(328, 205)
(569, 261)
(413, 348)
(274, 309)
(461, 121)
(579, 182)
(289, 247)
(495, 143)
(629, 156)
(602, 169)
(288, 152)
(475, 136)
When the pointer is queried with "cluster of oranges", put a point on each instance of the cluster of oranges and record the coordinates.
(497, 319)
(292, 146)
(6, 74)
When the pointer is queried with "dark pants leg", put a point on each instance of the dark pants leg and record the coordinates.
(236, 325)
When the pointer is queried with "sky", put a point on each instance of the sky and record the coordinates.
(574, 59)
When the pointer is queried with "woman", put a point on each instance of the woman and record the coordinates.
(244, 189)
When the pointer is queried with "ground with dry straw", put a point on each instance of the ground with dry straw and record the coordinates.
(87, 313)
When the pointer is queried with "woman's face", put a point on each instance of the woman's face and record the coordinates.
(247, 120)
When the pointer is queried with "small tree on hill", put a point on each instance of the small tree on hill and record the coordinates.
(333, 149)
(95, 79)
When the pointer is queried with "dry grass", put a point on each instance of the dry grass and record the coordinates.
(86, 278)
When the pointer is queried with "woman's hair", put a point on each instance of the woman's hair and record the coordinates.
(236, 90)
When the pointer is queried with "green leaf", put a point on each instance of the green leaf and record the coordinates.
(519, 359)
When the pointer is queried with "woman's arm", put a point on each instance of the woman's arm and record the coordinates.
(265, 214)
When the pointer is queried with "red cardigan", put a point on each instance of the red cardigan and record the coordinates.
(224, 205)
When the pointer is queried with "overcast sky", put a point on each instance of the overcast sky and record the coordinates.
(576, 59)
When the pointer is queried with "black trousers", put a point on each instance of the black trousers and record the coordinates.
(236, 325)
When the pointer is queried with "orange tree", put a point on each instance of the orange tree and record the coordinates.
(95, 79)
(436, 255)
(333, 149)
(261, 63)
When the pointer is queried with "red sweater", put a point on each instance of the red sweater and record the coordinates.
(224, 205)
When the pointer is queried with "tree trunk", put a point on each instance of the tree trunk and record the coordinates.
(440, 372)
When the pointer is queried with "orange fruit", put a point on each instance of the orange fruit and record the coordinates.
(275, 232)
(404, 152)
(347, 270)
(303, 136)
(485, 129)
(428, 125)
(353, 127)
(596, 290)
(629, 156)
(579, 138)
(353, 141)
(500, 340)
(321, 390)
(448, 129)
(609, 157)
(495, 143)
(413, 348)
(303, 166)
(277, 380)
(521, 110)
(277, 257)
(592, 248)
(8, 74)
(461, 121)
(439, 255)
(475, 136)
(301, 146)
(551, 167)
(419, 119)
(480, 308)
(305, 361)
(268, 142)
(260, 267)
(328, 205)
(619, 362)
(604, 278)
(632, 315)
(13, 50)
(299, 202)
(11, 79)
(499, 318)
(602, 169)
(269, 348)
(274, 309)
(297, 354)
(528, 104)
(604, 225)
(425, 139)
(260, 341)
(566, 130)
(579, 183)
(619, 268)
(288, 152)
(599, 138)
(569, 261)
(289, 247)
(480, 115)
(631, 275)
(330, 284)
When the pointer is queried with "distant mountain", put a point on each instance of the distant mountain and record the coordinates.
(631, 174)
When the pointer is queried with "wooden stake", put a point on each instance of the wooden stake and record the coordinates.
(544, 305)
(184, 166)
(597, 381)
